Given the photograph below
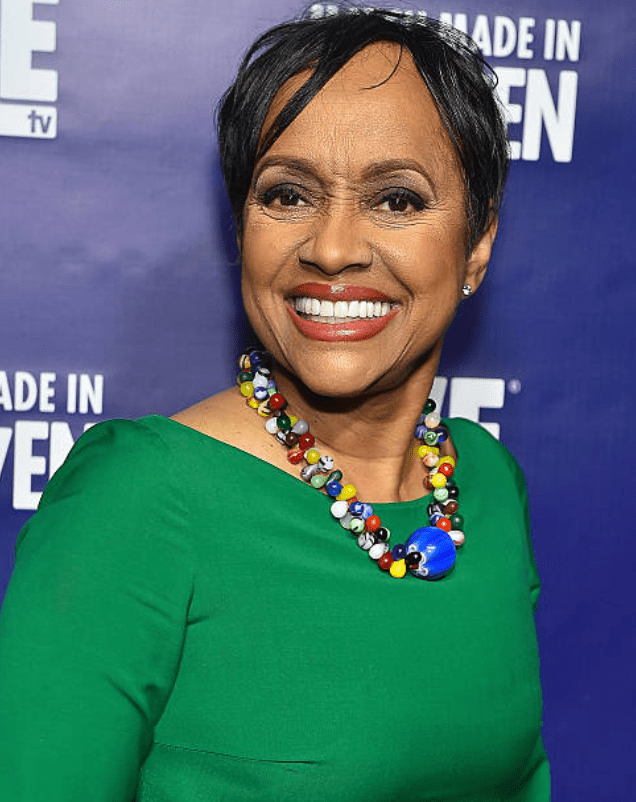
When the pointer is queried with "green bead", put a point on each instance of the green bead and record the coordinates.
(440, 493)
(457, 521)
(357, 525)
(245, 376)
(283, 422)
(318, 480)
(431, 438)
(335, 476)
(429, 406)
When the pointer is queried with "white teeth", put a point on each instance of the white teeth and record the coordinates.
(340, 311)
(326, 309)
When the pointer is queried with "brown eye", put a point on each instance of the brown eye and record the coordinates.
(282, 196)
(398, 203)
(288, 197)
(401, 201)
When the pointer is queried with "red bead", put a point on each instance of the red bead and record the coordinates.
(307, 440)
(277, 401)
(372, 523)
(385, 561)
(447, 469)
(445, 524)
(296, 455)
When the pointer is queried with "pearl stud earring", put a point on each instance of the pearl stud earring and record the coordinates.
(466, 290)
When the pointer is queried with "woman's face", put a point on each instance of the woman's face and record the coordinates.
(355, 231)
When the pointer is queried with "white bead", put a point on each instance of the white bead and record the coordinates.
(300, 427)
(260, 380)
(345, 521)
(271, 425)
(432, 420)
(378, 550)
(365, 541)
(339, 509)
(307, 472)
(326, 464)
(458, 537)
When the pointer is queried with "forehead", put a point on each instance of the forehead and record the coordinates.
(377, 105)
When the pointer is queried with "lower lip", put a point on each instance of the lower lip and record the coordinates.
(341, 332)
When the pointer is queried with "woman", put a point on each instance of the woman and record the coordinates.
(187, 620)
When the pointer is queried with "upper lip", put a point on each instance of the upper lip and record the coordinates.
(337, 292)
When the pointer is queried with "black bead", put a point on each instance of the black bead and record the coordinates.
(381, 535)
(443, 434)
(453, 492)
(413, 559)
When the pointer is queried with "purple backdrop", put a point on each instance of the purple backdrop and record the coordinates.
(120, 290)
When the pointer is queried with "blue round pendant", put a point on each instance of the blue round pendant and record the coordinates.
(437, 549)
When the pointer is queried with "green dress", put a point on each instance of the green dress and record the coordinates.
(187, 623)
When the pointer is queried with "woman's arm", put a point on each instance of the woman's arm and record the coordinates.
(93, 621)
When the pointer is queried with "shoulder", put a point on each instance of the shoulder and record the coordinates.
(113, 455)
(476, 444)
(118, 501)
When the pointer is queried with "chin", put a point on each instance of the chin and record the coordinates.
(345, 376)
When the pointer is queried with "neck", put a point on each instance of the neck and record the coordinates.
(370, 437)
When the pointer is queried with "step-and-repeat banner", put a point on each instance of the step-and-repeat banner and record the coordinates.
(120, 289)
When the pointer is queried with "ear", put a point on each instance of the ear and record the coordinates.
(480, 256)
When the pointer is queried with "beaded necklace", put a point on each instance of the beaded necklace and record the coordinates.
(429, 553)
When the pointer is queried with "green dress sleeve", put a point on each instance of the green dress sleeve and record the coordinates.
(534, 582)
(93, 621)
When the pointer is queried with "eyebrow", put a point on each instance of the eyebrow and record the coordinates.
(381, 168)
(374, 170)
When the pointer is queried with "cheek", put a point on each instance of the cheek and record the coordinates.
(267, 248)
(426, 261)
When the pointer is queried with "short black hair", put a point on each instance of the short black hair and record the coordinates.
(459, 80)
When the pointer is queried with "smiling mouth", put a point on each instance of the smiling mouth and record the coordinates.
(338, 312)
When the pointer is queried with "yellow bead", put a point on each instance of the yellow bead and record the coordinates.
(264, 410)
(450, 460)
(398, 569)
(247, 389)
(252, 402)
(423, 450)
(438, 480)
(312, 456)
(293, 419)
(347, 492)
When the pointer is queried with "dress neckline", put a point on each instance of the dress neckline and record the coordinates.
(385, 506)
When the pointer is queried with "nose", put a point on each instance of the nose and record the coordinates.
(336, 243)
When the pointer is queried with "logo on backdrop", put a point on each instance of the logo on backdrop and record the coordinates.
(26, 92)
(40, 444)
(536, 100)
